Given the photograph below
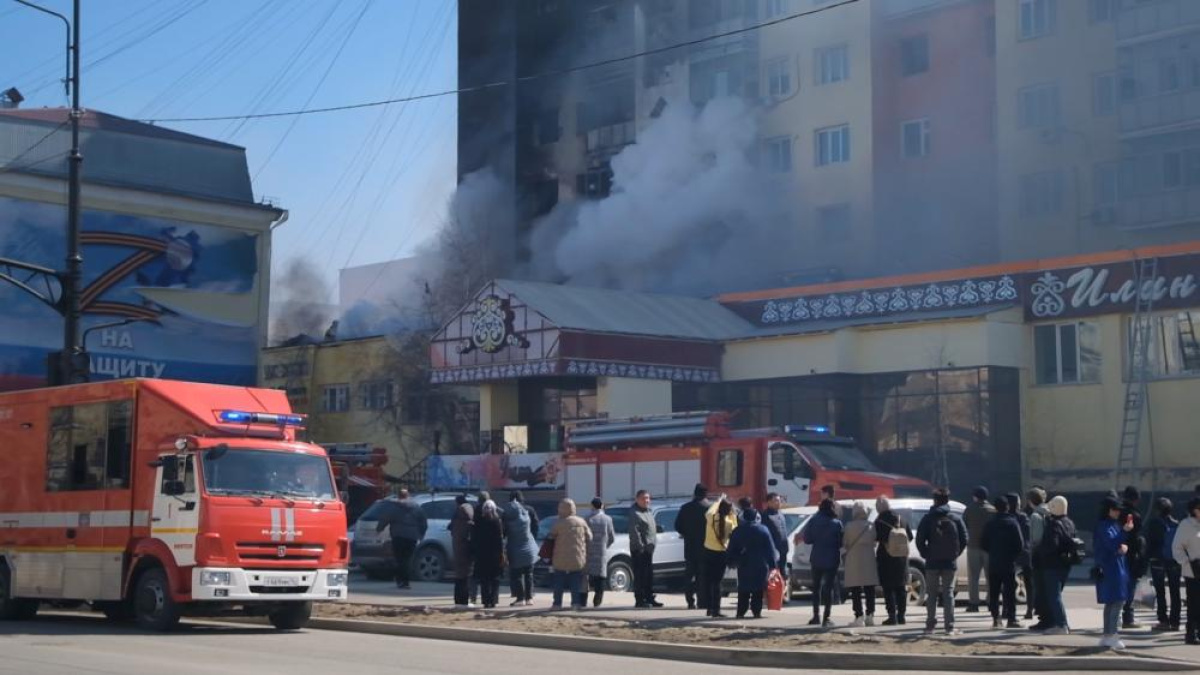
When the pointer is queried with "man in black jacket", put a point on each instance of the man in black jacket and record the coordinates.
(1004, 543)
(777, 526)
(1136, 556)
(1165, 572)
(689, 523)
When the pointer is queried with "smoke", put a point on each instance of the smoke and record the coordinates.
(302, 307)
(689, 211)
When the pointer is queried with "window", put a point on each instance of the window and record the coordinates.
(914, 138)
(1037, 106)
(89, 447)
(1036, 18)
(833, 145)
(914, 55)
(439, 509)
(833, 223)
(779, 154)
(1181, 168)
(777, 8)
(335, 398)
(1169, 75)
(833, 64)
(1102, 10)
(1067, 353)
(1104, 94)
(779, 78)
(1041, 193)
(1105, 185)
(376, 395)
(665, 519)
(729, 468)
(1174, 347)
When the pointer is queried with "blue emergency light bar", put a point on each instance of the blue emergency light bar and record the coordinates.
(242, 417)
(804, 429)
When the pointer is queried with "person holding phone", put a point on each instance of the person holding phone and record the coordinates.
(1112, 567)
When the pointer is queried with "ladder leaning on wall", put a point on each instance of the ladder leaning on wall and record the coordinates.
(1145, 271)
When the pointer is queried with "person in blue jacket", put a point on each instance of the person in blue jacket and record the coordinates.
(1111, 572)
(753, 552)
(824, 534)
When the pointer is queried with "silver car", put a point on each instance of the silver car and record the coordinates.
(371, 551)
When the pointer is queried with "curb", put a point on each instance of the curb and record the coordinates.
(759, 658)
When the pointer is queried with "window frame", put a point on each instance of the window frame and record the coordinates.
(103, 465)
(1053, 106)
(924, 146)
(838, 70)
(724, 456)
(1050, 19)
(779, 154)
(341, 398)
(922, 65)
(842, 156)
(1160, 368)
(1085, 373)
(779, 73)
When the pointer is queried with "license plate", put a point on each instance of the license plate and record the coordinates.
(279, 581)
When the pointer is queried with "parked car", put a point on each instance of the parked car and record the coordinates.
(371, 551)
(669, 564)
(911, 511)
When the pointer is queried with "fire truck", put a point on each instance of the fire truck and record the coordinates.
(153, 499)
(667, 455)
(358, 470)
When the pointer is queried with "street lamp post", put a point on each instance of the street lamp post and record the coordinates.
(71, 365)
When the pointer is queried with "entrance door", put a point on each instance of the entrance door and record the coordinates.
(788, 474)
(175, 519)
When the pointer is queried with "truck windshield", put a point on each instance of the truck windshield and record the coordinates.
(835, 457)
(264, 472)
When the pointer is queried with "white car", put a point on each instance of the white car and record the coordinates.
(371, 551)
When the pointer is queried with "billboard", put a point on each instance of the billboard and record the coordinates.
(497, 472)
(192, 290)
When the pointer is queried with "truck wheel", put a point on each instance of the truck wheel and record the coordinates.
(291, 616)
(153, 607)
(620, 577)
(429, 564)
(13, 609)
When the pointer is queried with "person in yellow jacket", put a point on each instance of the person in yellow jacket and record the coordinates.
(720, 522)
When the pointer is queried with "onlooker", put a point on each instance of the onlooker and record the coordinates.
(824, 534)
(776, 524)
(690, 524)
(522, 550)
(891, 558)
(1004, 543)
(828, 491)
(1185, 549)
(1025, 559)
(977, 516)
(487, 549)
(460, 526)
(720, 523)
(1135, 559)
(1035, 594)
(600, 525)
(861, 574)
(941, 538)
(534, 519)
(643, 537)
(1111, 572)
(1165, 572)
(755, 554)
(406, 523)
(570, 534)
(1056, 553)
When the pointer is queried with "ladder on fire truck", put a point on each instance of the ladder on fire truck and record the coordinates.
(1136, 390)
(651, 429)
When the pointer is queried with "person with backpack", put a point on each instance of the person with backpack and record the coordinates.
(1185, 549)
(891, 560)
(1164, 571)
(941, 538)
(1136, 557)
(1111, 572)
(1004, 544)
(824, 534)
(978, 514)
(1057, 552)
(862, 576)
(1035, 509)
(690, 523)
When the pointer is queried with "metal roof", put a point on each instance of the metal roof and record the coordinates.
(626, 312)
(124, 153)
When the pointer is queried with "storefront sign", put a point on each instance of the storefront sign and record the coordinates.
(497, 472)
(492, 327)
(1095, 290)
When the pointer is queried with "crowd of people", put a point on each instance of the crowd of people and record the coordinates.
(1004, 538)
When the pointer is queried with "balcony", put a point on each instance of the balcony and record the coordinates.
(1161, 113)
(1140, 20)
(1164, 209)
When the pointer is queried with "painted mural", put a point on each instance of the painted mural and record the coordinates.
(191, 290)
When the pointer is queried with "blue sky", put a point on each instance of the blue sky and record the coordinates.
(361, 186)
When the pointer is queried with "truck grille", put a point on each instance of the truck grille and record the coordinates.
(278, 590)
(269, 550)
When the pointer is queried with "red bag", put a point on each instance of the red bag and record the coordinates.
(547, 550)
(775, 590)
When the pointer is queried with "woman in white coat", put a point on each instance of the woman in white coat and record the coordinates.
(1185, 548)
(862, 575)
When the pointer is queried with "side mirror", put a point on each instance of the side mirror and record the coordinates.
(173, 488)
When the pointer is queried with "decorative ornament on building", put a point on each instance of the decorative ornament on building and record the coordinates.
(1047, 296)
(492, 328)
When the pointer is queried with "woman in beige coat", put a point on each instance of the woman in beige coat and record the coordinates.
(862, 575)
(570, 535)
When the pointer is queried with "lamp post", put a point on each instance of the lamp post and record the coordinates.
(72, 355)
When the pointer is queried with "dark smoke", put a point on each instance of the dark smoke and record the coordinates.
(303, 305)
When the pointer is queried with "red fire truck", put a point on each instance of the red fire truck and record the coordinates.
(153, 499)
(669, 454)
(358, 470)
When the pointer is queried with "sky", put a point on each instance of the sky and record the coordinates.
(361, 186)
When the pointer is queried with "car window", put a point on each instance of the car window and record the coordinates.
(793, 520)
(371, 515)
(620, 518)
(665, 519)
(439, 509)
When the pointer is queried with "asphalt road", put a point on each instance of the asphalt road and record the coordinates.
(82, 646)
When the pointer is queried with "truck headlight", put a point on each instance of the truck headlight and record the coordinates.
(210, 578)
(336, 579)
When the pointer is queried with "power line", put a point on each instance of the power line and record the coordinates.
(523, 78)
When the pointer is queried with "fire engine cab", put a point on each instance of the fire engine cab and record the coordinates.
(669, 454)
(153, 499)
